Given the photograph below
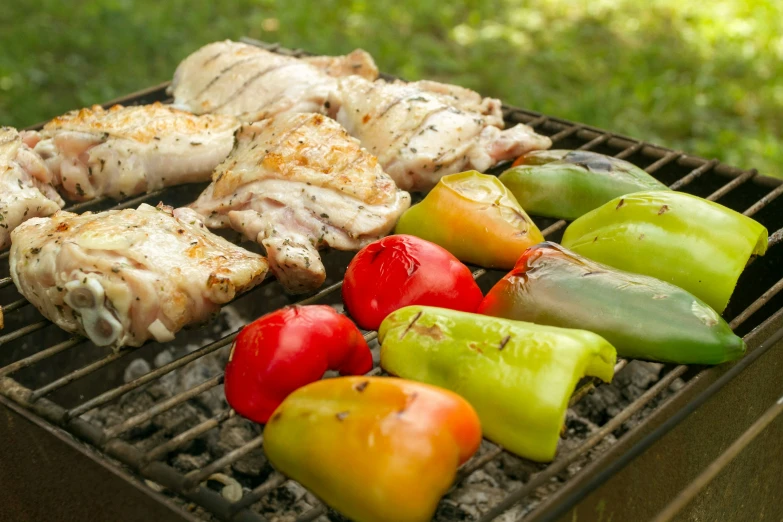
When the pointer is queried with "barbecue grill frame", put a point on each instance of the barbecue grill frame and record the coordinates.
(37, 407)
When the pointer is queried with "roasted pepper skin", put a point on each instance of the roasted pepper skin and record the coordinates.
(565, 184)
(643, 317)
(402, 270)
(376, 449)
(519, 376)
(475, 217)
(286, 349)
(690, 242)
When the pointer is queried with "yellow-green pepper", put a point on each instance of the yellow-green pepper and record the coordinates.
(475, 217)
(518, 376)
(685, 240)
(374, 448)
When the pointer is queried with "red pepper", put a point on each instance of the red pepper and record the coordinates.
(287, 349)
(402, 270)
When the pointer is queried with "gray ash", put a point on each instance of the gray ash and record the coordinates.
(474, 495)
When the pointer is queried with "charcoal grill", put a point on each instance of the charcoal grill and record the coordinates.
(678, 437)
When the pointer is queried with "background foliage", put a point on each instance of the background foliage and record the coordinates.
(704, 77)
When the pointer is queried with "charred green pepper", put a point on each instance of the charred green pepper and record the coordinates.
(475, 217)
(518, 376)
(682, 239)
(565, 184)
(643, 317)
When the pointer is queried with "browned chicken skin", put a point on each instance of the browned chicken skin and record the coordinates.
(122, 277)
(25, 185)
(296, 183)
(252, 84)
(422, 131)
(124, 151)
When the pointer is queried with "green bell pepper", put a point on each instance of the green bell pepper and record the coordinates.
(643, 318)
(693, 243)
(518, 376)
(475, 217)
(565, 184)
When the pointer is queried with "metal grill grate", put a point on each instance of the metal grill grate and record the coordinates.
(52, 379)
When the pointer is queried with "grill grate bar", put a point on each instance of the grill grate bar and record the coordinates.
(197, 476)
(6, 281)
(559, 465)
(78, 374)
(565, 133)
(596, 141)
(731, 185)
(551, 229)
(758, 303)
(274, 481)
(147, 377)
(677, 185)
(763, 202)
(21, 332)
(633, 149)
(43, 354)
(163, 406)
(580, 393)
(537, 121)
(775, 238)
(16, 305)
(479, 462)
(668, 158)
(186, 436)
(163, 370)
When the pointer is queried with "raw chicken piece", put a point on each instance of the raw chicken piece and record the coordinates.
(25, 185)
(296, 183)
(122, 277)
(252, 84)
(424, 130)
(124, 151)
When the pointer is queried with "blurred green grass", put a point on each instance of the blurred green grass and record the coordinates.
(706, 77)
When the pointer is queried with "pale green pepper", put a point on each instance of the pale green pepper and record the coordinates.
(518, 376)
(685, 240)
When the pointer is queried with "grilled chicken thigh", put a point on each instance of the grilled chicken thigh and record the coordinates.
(252, 84)
(296, 183)
(25, 185)
(124, 151)
(424, 130)
(121, 277)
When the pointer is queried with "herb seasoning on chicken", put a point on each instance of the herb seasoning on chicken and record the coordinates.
(25, 185)
(297, 183)
(425, 130)
(122, 277)
(252, 84)
(125, 151)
